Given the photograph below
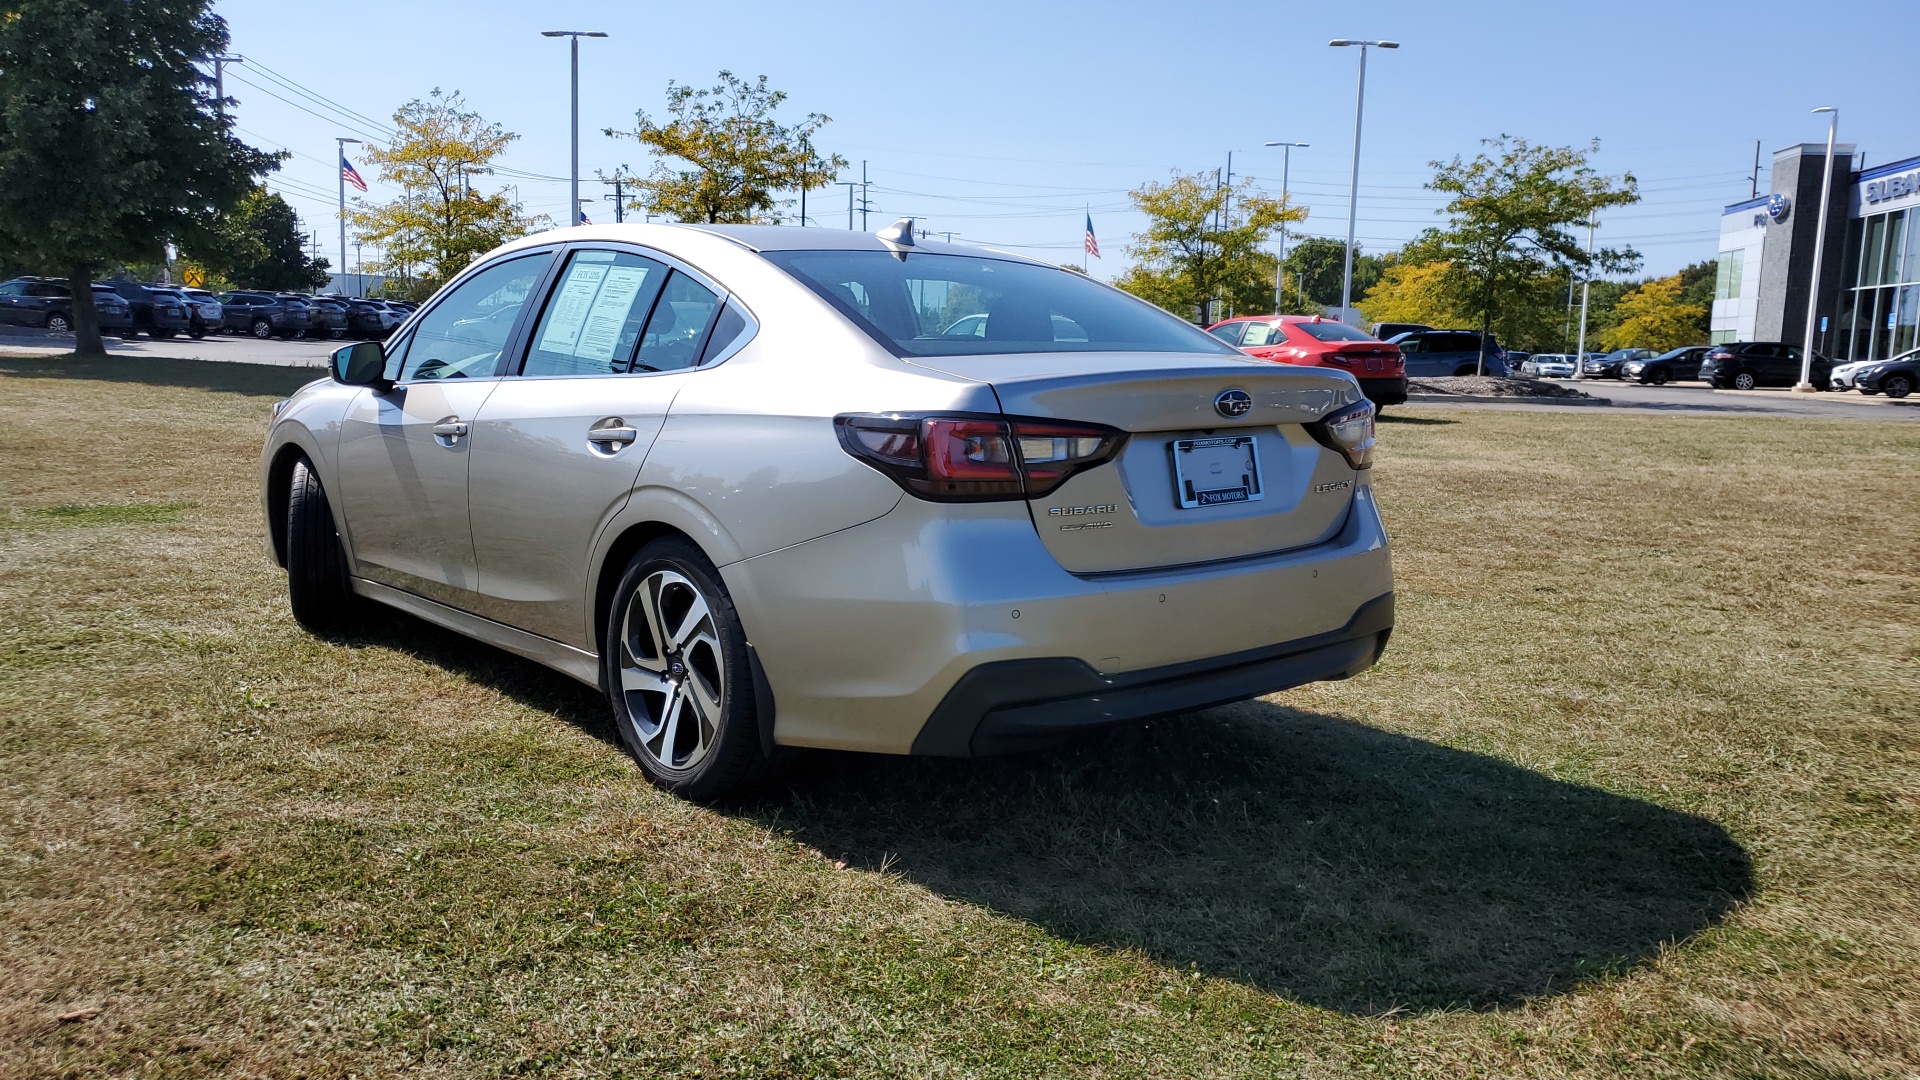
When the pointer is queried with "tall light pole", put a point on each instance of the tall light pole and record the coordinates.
(1280, 272)
(1805, 385)
(340, 144)
(1586, 283)
(574, 174)
(1353, 186)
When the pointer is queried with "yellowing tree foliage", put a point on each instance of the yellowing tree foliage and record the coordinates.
(1202, 243)
(1654, 317)
(439, 222)
(740, 157)
(1413, 292)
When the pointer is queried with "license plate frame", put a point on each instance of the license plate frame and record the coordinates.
(1197, 484)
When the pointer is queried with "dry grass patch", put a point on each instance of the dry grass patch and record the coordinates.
(1637, 790)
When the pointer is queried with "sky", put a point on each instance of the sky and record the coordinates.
(1006, 123)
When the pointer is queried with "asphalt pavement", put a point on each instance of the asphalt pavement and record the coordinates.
(1699, 398)
(234, 349)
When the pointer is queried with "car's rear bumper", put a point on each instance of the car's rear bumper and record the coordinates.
(1385, 391)
(1018, 705)
(867, 633)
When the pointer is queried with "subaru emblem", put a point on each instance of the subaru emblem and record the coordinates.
(1232, 403)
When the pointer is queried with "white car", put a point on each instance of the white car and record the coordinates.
(1549, 365)
(1844, 376)
(750, 483)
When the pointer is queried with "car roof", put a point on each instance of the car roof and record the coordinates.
(762, 238)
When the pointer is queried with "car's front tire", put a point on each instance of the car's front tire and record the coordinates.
(318, 588)
(1897, 386)
(678, 675)
(1658, 376)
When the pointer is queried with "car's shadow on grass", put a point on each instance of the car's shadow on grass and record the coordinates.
(1307, 855)
(1303, 854)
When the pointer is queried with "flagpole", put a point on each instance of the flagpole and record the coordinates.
(1086, 265)
(341, 170)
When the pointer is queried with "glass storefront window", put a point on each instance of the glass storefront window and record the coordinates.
(1876, 247)
(1726, 279)
(1896, 243)
(1906, 320)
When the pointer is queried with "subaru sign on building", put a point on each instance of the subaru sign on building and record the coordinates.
(1869, 304)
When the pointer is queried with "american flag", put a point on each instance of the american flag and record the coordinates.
(349, 174)
(1093, 246)
(584, 219)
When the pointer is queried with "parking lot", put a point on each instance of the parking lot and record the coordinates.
(230, 348)
(1698, 397)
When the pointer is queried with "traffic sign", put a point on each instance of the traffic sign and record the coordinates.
(193, 277)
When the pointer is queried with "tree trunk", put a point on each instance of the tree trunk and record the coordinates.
(86, 319)
(1486, 323)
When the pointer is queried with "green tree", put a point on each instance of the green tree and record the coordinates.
(1202, 245)
(739, 156)
(1509, 231)
(1318, 266)
(1654, 316)
(110, 143)
(1411, 292)
(259, 245)
(439, 222)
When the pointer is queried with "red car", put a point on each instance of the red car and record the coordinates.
(1316, 342)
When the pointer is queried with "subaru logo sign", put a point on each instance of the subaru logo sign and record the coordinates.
(1232, 403)
(1778, 206)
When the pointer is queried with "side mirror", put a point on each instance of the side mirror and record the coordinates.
(363, 363)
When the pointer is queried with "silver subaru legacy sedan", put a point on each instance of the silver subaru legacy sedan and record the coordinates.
(778, 487)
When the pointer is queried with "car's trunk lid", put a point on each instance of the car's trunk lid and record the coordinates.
(1192, 485)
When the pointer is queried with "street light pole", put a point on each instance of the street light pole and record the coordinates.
(1280, 271)
(1805, 385)
(574, 174)
(1586, 283)
(1353, 185)
(340, 144)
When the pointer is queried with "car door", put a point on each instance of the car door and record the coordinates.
(557, 448)
(10, 295)
(404, 452)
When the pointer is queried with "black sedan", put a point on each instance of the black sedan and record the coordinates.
(1895, 376)
(1681, 363)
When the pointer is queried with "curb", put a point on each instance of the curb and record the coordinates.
(1488, 399)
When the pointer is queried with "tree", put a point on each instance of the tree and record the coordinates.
(1202, 246)
(110, 143)
(1654, 316)
(259, 245)
(740, 155)
(1318, 266)
(1412, 292)
(439, 223)
(1508, 233)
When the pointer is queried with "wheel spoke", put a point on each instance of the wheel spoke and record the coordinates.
(661, 745)
(698, 621)
(647, 600)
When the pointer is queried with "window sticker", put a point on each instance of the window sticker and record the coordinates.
(608, 315)
(572, 306)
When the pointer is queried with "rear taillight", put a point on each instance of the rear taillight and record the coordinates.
(1720, 354)
(1336, 359)
(1348, 432)
(977, 458)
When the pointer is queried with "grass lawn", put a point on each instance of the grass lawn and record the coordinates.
(1635, 791)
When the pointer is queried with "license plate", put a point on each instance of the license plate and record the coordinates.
(1212, 472)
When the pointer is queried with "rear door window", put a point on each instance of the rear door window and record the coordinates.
(593, 319)
(1260, 334)
(1229, 333)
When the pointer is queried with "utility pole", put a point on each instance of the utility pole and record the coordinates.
(865, 203)
(849, 185)
(806, 173)
(1280, 270)
(619, 197)
(220, 82)
(359, 281)
(1754, 186)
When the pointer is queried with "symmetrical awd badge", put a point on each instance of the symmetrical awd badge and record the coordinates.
(1233, 403)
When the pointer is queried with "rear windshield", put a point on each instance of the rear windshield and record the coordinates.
(924, 304)
(1333, 331)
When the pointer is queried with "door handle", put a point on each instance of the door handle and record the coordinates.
(453, 429)
(621, 435)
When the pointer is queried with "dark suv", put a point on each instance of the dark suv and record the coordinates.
(48, 303)
(1743, 365)
(1433, 354)
(258, 314)
(159, 312)
(329, 315)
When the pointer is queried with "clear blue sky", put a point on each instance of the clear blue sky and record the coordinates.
(1001, 120)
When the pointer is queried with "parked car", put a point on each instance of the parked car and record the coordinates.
(1681, 363)
(1608, 365)
(1896, 376)
(1547, 365)
(1842, 376)
(368, 320)
(207, 316)
(1438, 353)
(329, 314)
(48, 303)
(1744, 365)
(1516, 360)
(1316, 342)
(1387, 331)
(159, 313)
(760, 504)
(258, 314)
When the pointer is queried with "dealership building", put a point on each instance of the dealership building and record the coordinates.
(1869, 303)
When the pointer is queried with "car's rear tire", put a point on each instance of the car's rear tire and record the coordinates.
(1897, 386)
(1744, 380)
(1658, 376)
(261, 329)
(318, 588)
(679, 675)
(59, 324)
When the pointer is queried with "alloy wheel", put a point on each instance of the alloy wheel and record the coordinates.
(58, 324)
(672, 670)
(1897, 386)
(1744, 381)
